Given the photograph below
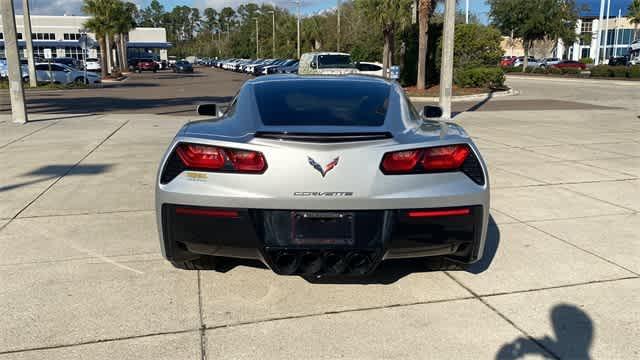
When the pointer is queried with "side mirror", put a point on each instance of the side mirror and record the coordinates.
(431, 112)
(207, 109)
(313, 65)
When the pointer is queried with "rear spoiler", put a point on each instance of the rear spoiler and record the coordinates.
(323, 137)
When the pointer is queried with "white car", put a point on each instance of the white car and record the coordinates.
(549, 61)
(62, 74)
(92, 64)
(369, 68)
(532, 62)
(326, 63)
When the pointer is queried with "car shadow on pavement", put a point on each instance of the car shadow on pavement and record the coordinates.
(574, 333)
(50, 172)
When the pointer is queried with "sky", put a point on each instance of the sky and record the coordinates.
(72, 7)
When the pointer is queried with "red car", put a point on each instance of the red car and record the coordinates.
(146, 65)
(507, 61)
(570, 64)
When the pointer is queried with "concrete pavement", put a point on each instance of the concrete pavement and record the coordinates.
(83, 278)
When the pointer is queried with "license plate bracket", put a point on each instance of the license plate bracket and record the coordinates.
(322, 228)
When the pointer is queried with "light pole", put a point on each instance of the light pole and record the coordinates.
(446, 70)
(598, 37)
(606, 31)
(466, 14)
(273, 18)
(16, 91)
(257, 37)
(298, 2)
(84, 43)
(338, 36)
(26, 20)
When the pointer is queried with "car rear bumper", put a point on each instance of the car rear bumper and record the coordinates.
(270, 236)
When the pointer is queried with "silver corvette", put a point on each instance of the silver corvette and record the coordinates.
(321, 175)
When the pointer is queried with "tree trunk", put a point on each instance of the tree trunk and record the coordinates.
(103, 56)
(392, 49)
(423, 33)
(385, 53)
(123, 54)
(525, 63)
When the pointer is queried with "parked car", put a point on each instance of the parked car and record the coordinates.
(570, 64)
(369, 68)
(619, 61)
(507, 61)
(332, 63)
(143, 64)
(548, 62)
(531, 62)
(419, 187)
(290, 69)
(92, 64)
(71, 62)
(183, 66)
(61, 74)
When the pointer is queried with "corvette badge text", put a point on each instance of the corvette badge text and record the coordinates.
(323, 193)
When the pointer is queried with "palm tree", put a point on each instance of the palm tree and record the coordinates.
(99, 24)
(425, 10)
(389, 14)
(124, 21)
(634, 17)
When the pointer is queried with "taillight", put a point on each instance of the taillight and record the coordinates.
(215, 158)
(433, 159)
(445, 157)
(201, 156)
(401, 161)
(250, 161)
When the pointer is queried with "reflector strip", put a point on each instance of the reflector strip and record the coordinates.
(208, 212)
(438, 213)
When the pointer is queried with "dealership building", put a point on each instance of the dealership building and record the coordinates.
(59, 36)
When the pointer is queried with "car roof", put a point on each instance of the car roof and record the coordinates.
(329, 53)
(313, 78)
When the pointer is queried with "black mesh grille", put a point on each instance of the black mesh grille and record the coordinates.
(173, 168)
(471, 167)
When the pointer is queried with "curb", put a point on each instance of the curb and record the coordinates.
(510, 92)
(575, 80)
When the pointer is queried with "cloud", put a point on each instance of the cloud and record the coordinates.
(56, 7)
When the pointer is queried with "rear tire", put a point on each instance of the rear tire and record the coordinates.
(201, 263)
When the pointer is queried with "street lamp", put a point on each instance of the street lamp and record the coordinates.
(273, 17)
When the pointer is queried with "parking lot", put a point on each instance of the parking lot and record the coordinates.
(83, 277)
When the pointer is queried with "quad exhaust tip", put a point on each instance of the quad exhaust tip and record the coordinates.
(287, 262)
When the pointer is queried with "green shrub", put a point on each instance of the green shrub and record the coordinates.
(586, 60)
(618, 71)
(540, 70)
(483, 77)
(554, 70)
(634, 72)
(529, 69)
(570, 71)
(600, 71)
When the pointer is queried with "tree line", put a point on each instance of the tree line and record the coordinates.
(387, 31)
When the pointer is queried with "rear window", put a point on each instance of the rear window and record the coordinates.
(322, 103)
(334, 61)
